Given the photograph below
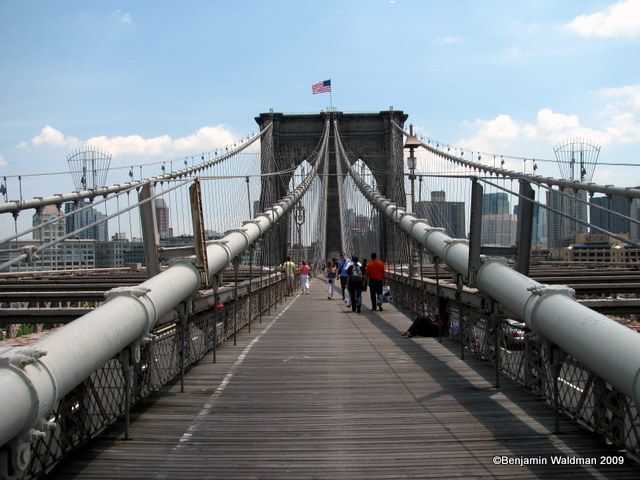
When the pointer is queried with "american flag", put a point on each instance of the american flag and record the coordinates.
(321, 87)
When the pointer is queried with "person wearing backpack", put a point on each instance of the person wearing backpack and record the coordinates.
(355, 283)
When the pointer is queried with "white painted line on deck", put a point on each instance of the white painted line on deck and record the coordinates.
(206, 408)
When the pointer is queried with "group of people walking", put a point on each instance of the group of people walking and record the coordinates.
(289, 269)
(355, 277)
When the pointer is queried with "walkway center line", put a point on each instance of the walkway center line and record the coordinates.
(206, 408)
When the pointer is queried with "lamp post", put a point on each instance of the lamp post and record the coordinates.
(412, 143)
(299, 216)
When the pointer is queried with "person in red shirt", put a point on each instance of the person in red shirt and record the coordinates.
(305, 271)
(375, 272)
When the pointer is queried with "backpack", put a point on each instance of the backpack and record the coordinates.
(356, 272)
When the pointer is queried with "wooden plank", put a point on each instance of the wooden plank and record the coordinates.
(321, 392)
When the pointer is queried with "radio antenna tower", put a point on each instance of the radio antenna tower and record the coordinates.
(89, 167)
(577, 159)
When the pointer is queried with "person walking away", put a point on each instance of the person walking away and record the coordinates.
(289, 269)
(330, 274)
(305, 271)
(365, 277)
(355, 283)
(342, 272)
(375, 273)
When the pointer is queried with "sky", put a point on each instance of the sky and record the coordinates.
(155, 80)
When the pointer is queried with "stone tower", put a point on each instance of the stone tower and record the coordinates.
(368, 136)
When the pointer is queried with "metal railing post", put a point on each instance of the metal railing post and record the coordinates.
(495, 323)
(436, 266)
(128, 358)
(182, 315)
(149, 226)
(459, 285)
(249, 295)
(236, 267)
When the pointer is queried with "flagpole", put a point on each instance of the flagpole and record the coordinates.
(330, 100)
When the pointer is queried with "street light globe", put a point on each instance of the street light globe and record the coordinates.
(411, 162)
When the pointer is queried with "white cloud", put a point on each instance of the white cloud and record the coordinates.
(621, 19)
(50, 136)
(555, 127)
(502, 132)
(497, 133)
(134, 145)
(205, 138)
(448, 40)
(629, 96)
(624, 128)
(3, 162)
(122, 17)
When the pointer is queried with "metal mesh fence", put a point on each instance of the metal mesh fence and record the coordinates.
(521, 356)
(100, 400)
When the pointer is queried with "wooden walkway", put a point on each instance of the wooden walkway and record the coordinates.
(315, 391)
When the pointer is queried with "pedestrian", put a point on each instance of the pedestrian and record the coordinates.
(289, 269)
(330, 274)
(375, 274)
(305, 272)
(342, 272)
(355, 283)
(365, 277)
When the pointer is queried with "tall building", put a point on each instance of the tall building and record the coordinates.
(440, 213)
(50, 231)
(561, 229)
(67, 255)
(119, 253)
(499, 229)
(611, 222)
(495, 203)
(83, 218)
(162, 219)
(538, 227)
(539, 236)
(634, 212)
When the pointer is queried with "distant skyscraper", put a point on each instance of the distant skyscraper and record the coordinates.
(499, 229)
(84, 218)
(634, 212)
(611, 222)
(440, 213)
(162, 219)
(539, 234)
(495, 203)
(53, 230)
(562, 230)
(538, 227)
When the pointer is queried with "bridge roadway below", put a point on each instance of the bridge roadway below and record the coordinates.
(315, 391)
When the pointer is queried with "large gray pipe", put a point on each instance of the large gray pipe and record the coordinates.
(607, 348)
(31, 384)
